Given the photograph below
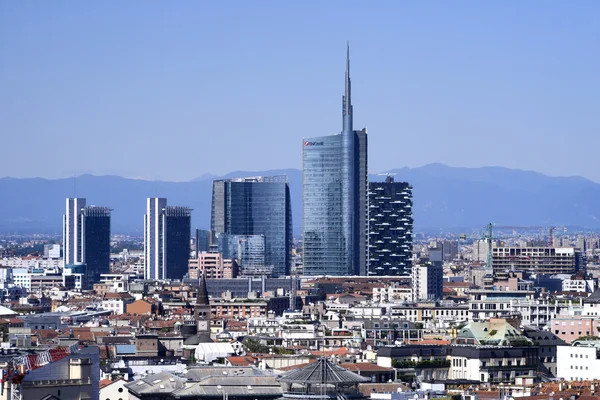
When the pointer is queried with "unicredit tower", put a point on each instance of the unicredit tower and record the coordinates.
(334, 197)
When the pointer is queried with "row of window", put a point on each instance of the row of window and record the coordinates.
(577, 356)
(579, 367)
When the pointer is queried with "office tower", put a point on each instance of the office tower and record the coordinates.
(86, 238)
(427, 281)
(73, 231)
(248, 251)
(256, 206)
(166, 240)
(389, 249)
(205, 242)
(334, 198)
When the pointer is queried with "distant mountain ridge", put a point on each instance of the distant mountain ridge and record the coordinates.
(444, 197)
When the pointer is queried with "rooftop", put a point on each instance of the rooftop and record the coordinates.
(323, 372)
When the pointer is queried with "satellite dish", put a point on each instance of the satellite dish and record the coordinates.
(369, 348)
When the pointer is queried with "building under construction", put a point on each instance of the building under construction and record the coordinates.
(537, 260)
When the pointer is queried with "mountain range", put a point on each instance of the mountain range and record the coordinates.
(445, 198)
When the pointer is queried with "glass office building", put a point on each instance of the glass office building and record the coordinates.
(96, 243)
(256, 206)
(177, 241)
(247, 250)
(166, 240)
(334, 198)
(86, 238)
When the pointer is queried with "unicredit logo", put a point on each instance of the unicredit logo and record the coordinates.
(313, 143)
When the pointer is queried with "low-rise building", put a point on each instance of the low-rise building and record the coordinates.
(114, 390)
(573, 327)
(440, 313)
(427, 362)
(493, 364)
(492, 351)
(391, 294)
(547, 342)
(378, 333)
(578, 363)
(578, 285)
(485, 303)
(117, 302)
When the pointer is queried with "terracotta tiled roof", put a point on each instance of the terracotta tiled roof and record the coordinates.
(465, 285)
(46, 333)
(105, 382)
(162, 323)
(357, 367)
(367, 388)
(121, 295)
(438, 342)
(337, 352)
(241, 361)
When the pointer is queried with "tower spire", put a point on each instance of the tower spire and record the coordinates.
(347, 98)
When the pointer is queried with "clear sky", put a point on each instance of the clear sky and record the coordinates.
(173, 90)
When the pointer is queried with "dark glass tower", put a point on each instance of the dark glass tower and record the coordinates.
(96, 238)
(334, 197)
(86, 239)
(390, 228)
(178, 226)
(256, 206)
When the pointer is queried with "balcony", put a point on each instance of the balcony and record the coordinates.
(509, 367)
(421, 364)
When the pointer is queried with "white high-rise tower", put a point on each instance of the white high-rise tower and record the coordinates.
(166, 240)
(73, 231)
(154, 245)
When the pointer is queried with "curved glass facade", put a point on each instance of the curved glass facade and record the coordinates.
(334, 205)
(256, 206)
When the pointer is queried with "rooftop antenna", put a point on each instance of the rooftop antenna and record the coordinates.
(155, 186)
(74, 186)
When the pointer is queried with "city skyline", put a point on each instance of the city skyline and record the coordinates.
(480, 82)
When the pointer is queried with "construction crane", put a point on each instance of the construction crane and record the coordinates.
(551, 231)
(488, 237)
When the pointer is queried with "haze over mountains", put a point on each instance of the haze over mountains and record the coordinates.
(444, 198)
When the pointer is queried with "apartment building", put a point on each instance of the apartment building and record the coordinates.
(391, 294)
(213, 265)
(578, 363)
(441, 313)
(485, 303)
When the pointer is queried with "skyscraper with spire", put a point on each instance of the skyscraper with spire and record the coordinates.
(334, 197)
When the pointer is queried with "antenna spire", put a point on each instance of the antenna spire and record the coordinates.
(347, 98)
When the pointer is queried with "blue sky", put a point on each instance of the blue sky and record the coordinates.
(173, 90)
